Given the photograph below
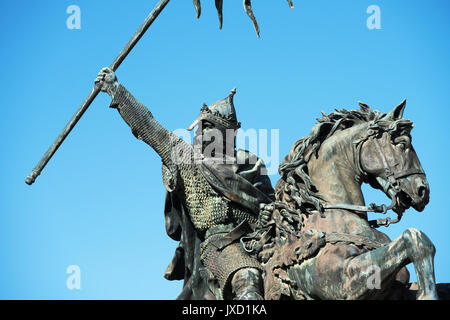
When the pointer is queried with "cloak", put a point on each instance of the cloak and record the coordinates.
(245, 183)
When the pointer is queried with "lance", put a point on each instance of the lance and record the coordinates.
(95, 91)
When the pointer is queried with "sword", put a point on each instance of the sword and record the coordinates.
(95, 91)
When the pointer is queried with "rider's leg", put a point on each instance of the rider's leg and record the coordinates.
(246, 284)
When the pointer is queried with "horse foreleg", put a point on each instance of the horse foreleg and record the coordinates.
(412, 246)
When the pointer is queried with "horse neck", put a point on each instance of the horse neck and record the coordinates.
(334, 171)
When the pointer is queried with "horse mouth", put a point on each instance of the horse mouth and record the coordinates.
(404, 201)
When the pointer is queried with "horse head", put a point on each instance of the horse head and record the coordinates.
(388, 161)
(321, 239)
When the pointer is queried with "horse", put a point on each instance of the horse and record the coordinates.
(318, 242)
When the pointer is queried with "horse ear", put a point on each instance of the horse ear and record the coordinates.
(397, 112)
(363, 107)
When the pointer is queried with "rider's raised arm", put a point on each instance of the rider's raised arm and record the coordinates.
(141, 121)
(144, 126)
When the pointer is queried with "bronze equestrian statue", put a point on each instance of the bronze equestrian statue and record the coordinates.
(214, 196)
(311, 238)
(308, 239)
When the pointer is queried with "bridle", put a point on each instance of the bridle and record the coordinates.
(392, 176)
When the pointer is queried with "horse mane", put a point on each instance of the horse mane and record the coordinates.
(295, 188)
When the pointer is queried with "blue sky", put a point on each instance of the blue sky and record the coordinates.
(99, 202)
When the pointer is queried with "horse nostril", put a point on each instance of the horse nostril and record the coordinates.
(422, 192)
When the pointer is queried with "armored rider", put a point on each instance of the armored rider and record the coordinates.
(214, 195)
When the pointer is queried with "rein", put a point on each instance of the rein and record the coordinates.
(383, 209)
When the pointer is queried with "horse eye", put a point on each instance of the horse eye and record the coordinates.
(403, 142)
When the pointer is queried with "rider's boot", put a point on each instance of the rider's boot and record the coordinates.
(246, 284)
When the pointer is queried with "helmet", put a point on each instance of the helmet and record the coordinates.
(221, 113)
